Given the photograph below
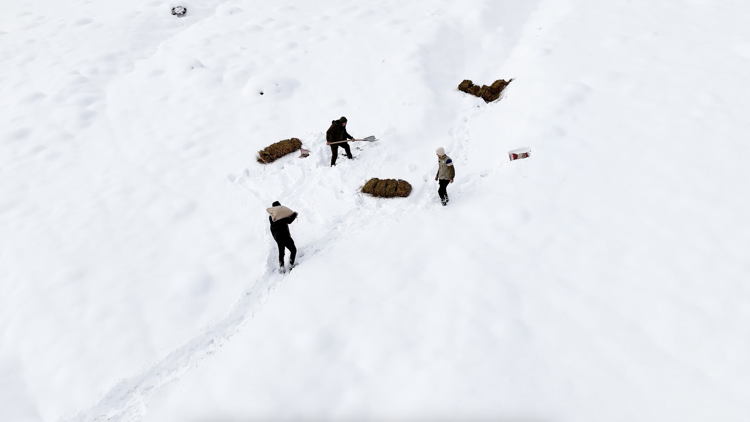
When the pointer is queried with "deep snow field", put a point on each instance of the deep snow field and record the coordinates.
(606, 278)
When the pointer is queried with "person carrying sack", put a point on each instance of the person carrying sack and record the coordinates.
(337, 133)
(281, 217)
(445, 174)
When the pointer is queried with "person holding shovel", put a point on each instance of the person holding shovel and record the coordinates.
(337, 136)
(281, 217)
(445, 174)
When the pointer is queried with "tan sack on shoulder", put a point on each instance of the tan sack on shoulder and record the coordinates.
(277, 213)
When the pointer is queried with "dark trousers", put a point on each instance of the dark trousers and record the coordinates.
(441, 190)
(335, 151)
(286, 244)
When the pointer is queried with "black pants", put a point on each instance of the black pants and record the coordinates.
(335, 151)
(441, 190)
(286, 244)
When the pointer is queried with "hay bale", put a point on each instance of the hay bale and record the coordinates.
(379, 189)
(488, 93)
(493, 91)
(500, 84)
(403, 189)
(465, 85)
(277, 150)
(369, 187)
(390, 189)
(387, 188)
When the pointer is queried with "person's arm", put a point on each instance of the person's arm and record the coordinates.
(451, 169)
(346, 135)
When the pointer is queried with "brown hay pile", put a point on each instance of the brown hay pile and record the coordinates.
(275, 151)
(379, 189)
(403, 189)
(387, 188)
(369, 187)
(390, 189)
(487, 93)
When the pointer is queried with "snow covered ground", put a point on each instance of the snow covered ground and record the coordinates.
(605, 278)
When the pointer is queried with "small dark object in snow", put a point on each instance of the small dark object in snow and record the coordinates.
(277, 150)
(304, 153)
(519, 153)
(179, 11)
(387, 188)
(488, 93)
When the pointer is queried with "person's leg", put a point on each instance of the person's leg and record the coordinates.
(347, 149)
(281, 253)
(441, 190)
(292, 250)
(334, 154)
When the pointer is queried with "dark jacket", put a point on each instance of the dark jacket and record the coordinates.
(337, 132)
(280, 228)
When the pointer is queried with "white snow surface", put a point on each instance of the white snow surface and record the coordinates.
(605, 278)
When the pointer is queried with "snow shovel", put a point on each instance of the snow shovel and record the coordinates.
(368, 139)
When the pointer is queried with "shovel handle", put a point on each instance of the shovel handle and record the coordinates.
(354, 140)
(341, 142)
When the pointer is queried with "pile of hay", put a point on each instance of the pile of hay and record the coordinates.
(387, 188)
(487, 93)
(275, 151)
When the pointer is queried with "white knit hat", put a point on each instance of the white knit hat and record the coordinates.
(440, 151)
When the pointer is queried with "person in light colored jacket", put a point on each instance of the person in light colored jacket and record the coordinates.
(445, 174)
(280, 219)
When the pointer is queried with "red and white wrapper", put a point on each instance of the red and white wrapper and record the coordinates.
(524, 152)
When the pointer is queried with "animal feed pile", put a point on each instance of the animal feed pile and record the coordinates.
(487, 93)
(387, 188)
(275, 151)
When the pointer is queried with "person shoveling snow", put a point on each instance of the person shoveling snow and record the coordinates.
(281, 217)
(337, 136)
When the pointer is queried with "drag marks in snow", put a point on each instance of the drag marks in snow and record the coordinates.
(125, 400)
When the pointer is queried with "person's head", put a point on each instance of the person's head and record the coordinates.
(276, 204)
(342, 120)
(440, 151)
